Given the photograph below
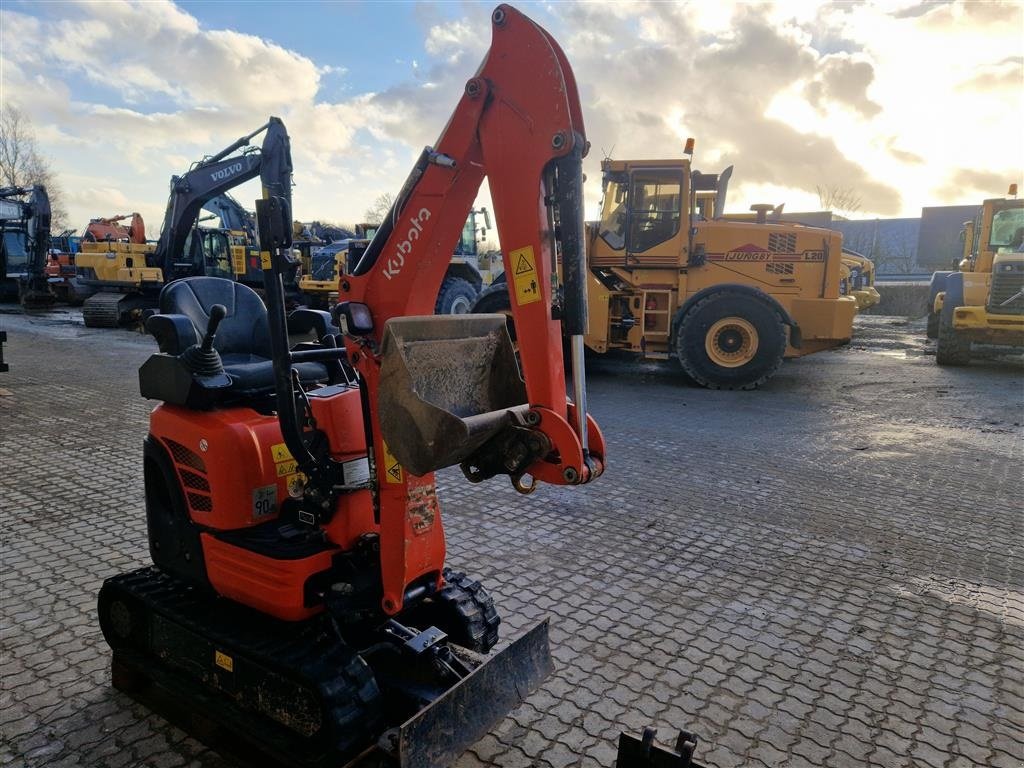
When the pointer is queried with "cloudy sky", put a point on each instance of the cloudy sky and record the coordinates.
(905, 103)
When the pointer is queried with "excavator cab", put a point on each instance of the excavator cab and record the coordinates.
(207, 252)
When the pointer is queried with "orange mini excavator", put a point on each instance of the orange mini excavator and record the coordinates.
(299, 598)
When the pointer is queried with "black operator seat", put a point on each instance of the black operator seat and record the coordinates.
(243, 336)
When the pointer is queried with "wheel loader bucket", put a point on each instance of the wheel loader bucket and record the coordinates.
(438, 734)
(447, 385)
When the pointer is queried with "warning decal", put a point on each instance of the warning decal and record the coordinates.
(223, 661)
(280, 452)
(392, 469)
(524, 275)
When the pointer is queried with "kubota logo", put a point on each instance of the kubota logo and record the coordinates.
(225, 173)
(395, 263)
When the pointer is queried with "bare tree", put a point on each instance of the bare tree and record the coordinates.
(23, 165)
(836, 198)
(375, 213)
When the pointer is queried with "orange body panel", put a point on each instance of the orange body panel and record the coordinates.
(234, 468)
(273, 586)
(235, 471)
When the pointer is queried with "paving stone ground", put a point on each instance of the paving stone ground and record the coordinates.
(826, 572)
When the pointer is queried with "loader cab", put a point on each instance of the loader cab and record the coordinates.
(1000, 230)
(643, 216)
(473, 231)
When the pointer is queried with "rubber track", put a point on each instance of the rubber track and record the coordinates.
(306, 653)
(475, 608)
(102, 310)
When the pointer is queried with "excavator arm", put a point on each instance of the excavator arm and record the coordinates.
(232, 215)
(214, 176)
(446, 390)
(111, 228)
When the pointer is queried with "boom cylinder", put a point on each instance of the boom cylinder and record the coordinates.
(571, 225)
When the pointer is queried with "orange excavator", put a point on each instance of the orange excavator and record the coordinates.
(299, 597)
(112, 230)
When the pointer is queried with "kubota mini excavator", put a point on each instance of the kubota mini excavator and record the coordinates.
(128, 277)
(299, 596)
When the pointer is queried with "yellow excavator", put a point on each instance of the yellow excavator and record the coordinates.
(669, 277)
(983, 300)
(125, 278)
(463, 280)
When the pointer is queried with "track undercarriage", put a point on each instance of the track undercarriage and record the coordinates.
(300, 693)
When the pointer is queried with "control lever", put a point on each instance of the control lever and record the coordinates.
(202, 359)
(217, 313)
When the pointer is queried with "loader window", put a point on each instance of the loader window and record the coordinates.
(655, 202)
(467, 243)
(1007, 230)
(614, 213)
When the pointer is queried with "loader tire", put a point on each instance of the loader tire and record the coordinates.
(463, 610)
(456, 297)
(495, 301)
(731, 340)
(932, 331)
(951, 348)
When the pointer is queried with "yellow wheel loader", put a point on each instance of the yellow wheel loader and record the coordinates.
(669, 277)
(983, 300)
(857, 279)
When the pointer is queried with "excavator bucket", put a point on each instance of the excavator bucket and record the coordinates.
(448, 383)
(436, 735)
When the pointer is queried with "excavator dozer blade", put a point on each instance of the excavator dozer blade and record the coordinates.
(447, 385)
(438, 734)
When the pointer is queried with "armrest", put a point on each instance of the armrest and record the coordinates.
(305, 320)
(174, 333)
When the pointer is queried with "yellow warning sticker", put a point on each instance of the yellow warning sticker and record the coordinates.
(265, 259)
(524, 275)
(238, 259)
(286, 467)
(392, 469)
(280, 453)
(224, 661)
(296, 484)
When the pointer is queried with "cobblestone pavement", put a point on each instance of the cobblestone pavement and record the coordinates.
(824, 572)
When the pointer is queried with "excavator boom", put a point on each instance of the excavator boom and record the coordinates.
(446, 390)
(213, 177)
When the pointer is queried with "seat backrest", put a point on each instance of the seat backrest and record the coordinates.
(245, 329)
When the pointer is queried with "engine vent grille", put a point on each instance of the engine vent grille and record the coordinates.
(183, 455)
(200, 503)
(773, 268)
(192, 480)
(781, 242)
(191, 470)
(1007, 289)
